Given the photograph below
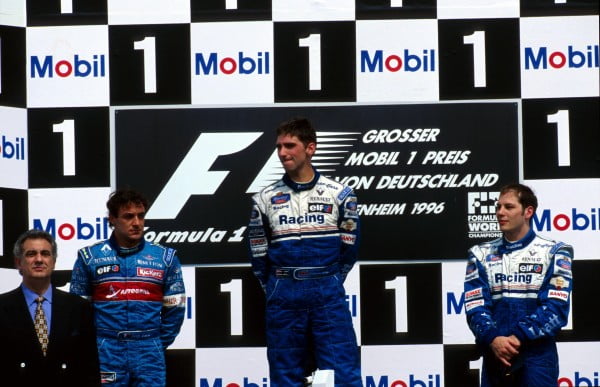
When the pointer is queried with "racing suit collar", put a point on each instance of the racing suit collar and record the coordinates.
(507, 247)
(122, 251)
(301, 186)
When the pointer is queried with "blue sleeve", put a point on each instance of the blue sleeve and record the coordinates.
(81, 283)
(478, 301)
(554, 299)
(173, 310)
(349, 224)
(258, 240)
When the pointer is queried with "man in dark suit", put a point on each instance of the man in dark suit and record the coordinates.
(64, 353)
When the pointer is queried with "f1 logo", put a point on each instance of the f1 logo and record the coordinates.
(194, 177)
(478, 202)
(207, 148)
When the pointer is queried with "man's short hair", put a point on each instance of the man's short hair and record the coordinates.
(300, 127)
(122, 197)
(525, 194)
(18, 250)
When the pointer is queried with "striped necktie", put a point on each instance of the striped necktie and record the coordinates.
(41, 328)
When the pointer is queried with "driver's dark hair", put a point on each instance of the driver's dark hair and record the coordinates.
(300, 127)
(525, 194)
(122, 197)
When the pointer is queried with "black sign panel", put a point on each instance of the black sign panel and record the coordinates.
(12, 66)
(68, 147)
(230, 307)
(479, 58)
(13, 222)
(149, 64)
(420, 172)
(457, 365)
(560, 138)
(315, 62)
(73, 12)
(218, 10)
(584, 302)
(531, 8)
(382, 9)
(181, 367)
(404, 304)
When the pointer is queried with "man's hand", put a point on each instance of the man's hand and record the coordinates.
(505, 348)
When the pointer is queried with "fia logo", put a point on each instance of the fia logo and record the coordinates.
(482, 202)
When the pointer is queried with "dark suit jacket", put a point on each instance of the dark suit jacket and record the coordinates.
(72, 356)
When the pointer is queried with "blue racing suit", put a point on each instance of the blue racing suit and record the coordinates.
(139, 305)
(303, 239)
(521, 288)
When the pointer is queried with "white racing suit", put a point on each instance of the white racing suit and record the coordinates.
(303, 240)
(522, 289)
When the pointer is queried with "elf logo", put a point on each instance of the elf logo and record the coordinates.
(47, 67)
(572, 58)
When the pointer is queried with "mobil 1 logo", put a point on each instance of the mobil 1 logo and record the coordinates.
(230, 10)
(560, 138)
(69, 147)
(12, 66)
(401, 304)
(479, 59)
(315, 61)
(66, 12)
(146, 67)
(230, 307)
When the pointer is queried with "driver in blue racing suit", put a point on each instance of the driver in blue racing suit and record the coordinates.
(303, 237)
(138, 295)
(517, 295)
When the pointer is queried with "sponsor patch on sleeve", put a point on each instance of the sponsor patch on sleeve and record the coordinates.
(255, 218)
(348, 239)
(473, 304)
(559, 282)
(351, 208)
(473, 294)
(564, 263)
(174, 301)
(472, 272)
(348, 225)
(559, 294)
(345, 192)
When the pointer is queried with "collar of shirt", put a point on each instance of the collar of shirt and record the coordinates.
(301, 186)
(30, 299)
(507, 247)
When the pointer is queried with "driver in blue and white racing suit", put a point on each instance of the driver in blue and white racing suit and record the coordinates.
(303, 237)
(138, 295)
(517, 295)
